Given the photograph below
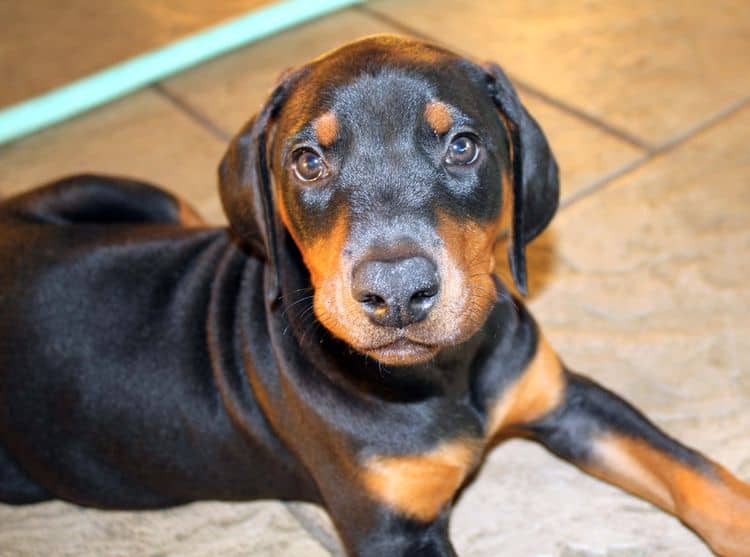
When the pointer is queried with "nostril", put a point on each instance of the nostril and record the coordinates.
(425, 293)
(372, 300)
(375, 306)
(421, 302)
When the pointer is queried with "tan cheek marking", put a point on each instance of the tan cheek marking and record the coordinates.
(467, 289)
(469, 244)
(717, 509)
(419, 486)
(438, 116)
(326, 129)
(323, 257)
(324, 260)
(539, 390)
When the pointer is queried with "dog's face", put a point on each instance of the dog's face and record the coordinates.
(393, 164)
(388, 172)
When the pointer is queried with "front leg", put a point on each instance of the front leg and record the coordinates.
(370, 528)
(605, 436)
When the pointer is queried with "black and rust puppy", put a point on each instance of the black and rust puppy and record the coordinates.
(345, 343)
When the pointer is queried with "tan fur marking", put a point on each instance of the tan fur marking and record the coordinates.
(323, 257)
(718, 509)
(438, 116)
(467, 276)
(626, 464)
(468, 243)
(326, 129)
(539, 390)
(419, 486)
(188, 216)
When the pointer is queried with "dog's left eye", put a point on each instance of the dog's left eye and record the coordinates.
(309, 166)
(463, 150)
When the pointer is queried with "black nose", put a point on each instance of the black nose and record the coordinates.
(396, 293)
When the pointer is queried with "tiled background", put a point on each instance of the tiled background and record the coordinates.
(641, 282)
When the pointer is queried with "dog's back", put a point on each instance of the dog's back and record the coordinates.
(100, 289)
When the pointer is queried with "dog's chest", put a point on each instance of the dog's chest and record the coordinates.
(419, 485)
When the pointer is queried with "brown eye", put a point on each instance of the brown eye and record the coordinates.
(462, 150)
(309, 165)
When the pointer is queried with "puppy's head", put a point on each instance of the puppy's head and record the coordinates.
(393, 165)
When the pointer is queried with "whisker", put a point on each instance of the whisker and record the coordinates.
(291, 306)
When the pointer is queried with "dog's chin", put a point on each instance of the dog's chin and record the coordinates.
(403, 352)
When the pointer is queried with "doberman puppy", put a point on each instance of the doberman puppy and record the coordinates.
(345, 342)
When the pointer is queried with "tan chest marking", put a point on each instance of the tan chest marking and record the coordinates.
(537, 391)
(419, 486)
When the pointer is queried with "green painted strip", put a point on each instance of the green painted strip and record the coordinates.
(122, 78)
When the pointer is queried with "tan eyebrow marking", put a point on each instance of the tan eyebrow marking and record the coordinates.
(438, 116)
(326, 129)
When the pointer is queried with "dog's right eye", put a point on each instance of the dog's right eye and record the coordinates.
(462, 151)
(309, 166)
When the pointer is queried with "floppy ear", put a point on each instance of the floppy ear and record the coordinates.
(535, 178)
(244, 179)
(240, 190)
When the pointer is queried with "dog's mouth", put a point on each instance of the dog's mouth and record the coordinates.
(402, 351)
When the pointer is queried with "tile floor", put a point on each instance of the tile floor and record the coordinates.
(641, 281)
(46, 44)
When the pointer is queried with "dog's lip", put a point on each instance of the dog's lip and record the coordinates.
(401, 342)
(402, 349)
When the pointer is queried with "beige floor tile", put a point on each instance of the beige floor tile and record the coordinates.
(527, 503)
(230, 530)
(45, 44)
(650, 278)
(229, 89)
(142, 135)
(644, 287)
(654, 69)
(584, 152)
(647, 292)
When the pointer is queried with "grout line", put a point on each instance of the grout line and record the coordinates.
(603, 181)
(193, 112)
(706, 124)
(322, 536)
(658, 151)
(623, 135)
(581, 114)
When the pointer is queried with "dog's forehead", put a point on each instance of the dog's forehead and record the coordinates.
(384, 77)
